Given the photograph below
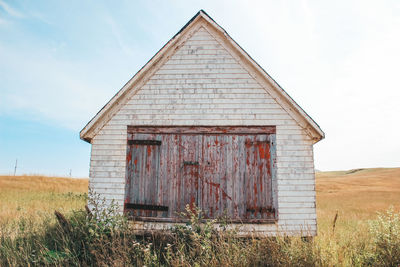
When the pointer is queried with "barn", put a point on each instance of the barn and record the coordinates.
(202, 124)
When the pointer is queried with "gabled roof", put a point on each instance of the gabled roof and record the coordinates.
(107, 112)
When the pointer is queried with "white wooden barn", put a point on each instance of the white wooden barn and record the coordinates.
(202, 124)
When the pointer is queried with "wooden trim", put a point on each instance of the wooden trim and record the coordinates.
(144, 142)
(180, 220)
(202, 129)
(134, 206)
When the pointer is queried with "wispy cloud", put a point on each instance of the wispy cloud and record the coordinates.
(11, 11)
(39, 16)
(115, 29)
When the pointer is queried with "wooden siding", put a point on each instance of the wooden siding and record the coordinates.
(205, 83)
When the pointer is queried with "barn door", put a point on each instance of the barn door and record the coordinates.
(258, 178)
(143, 173)
(228, 171)
(236, 176)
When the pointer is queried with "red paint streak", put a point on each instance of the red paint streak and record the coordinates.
(192, 203)
(148, 150)
(247, 143)
(213, 184)
(216, 142)
(225, 195)
(129, 157)
(135, 161)
(261, 175)
(178, 139)
(261, 150)
(218, 188)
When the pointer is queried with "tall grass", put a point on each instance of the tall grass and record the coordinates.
(102, 237)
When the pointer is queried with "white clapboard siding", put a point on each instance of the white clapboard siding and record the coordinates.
(295, 188)
(294, 199)
(110, 185)
(297, 205)
(202, 83)
(297, 181)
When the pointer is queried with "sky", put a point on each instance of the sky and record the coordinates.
(61, 61)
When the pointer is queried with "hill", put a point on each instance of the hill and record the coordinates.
(357, 194)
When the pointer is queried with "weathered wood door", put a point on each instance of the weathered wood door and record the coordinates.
(225, 171)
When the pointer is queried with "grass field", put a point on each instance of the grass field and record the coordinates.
(37, 196)
(354, 197)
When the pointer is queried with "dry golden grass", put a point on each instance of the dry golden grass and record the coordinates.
(34, 196)
(357, 194)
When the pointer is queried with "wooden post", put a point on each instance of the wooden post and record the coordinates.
(15, 168)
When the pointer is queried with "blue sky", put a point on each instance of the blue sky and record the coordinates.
(61, 61)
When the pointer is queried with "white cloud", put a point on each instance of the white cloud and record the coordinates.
(11, 11)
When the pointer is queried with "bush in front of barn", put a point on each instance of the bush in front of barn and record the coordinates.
(95, 236)
(384, 249)
(102, 237)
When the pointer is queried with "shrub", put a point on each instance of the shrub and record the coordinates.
(385, 233)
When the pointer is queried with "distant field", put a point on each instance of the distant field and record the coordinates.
(356, 195)
(34, 196)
